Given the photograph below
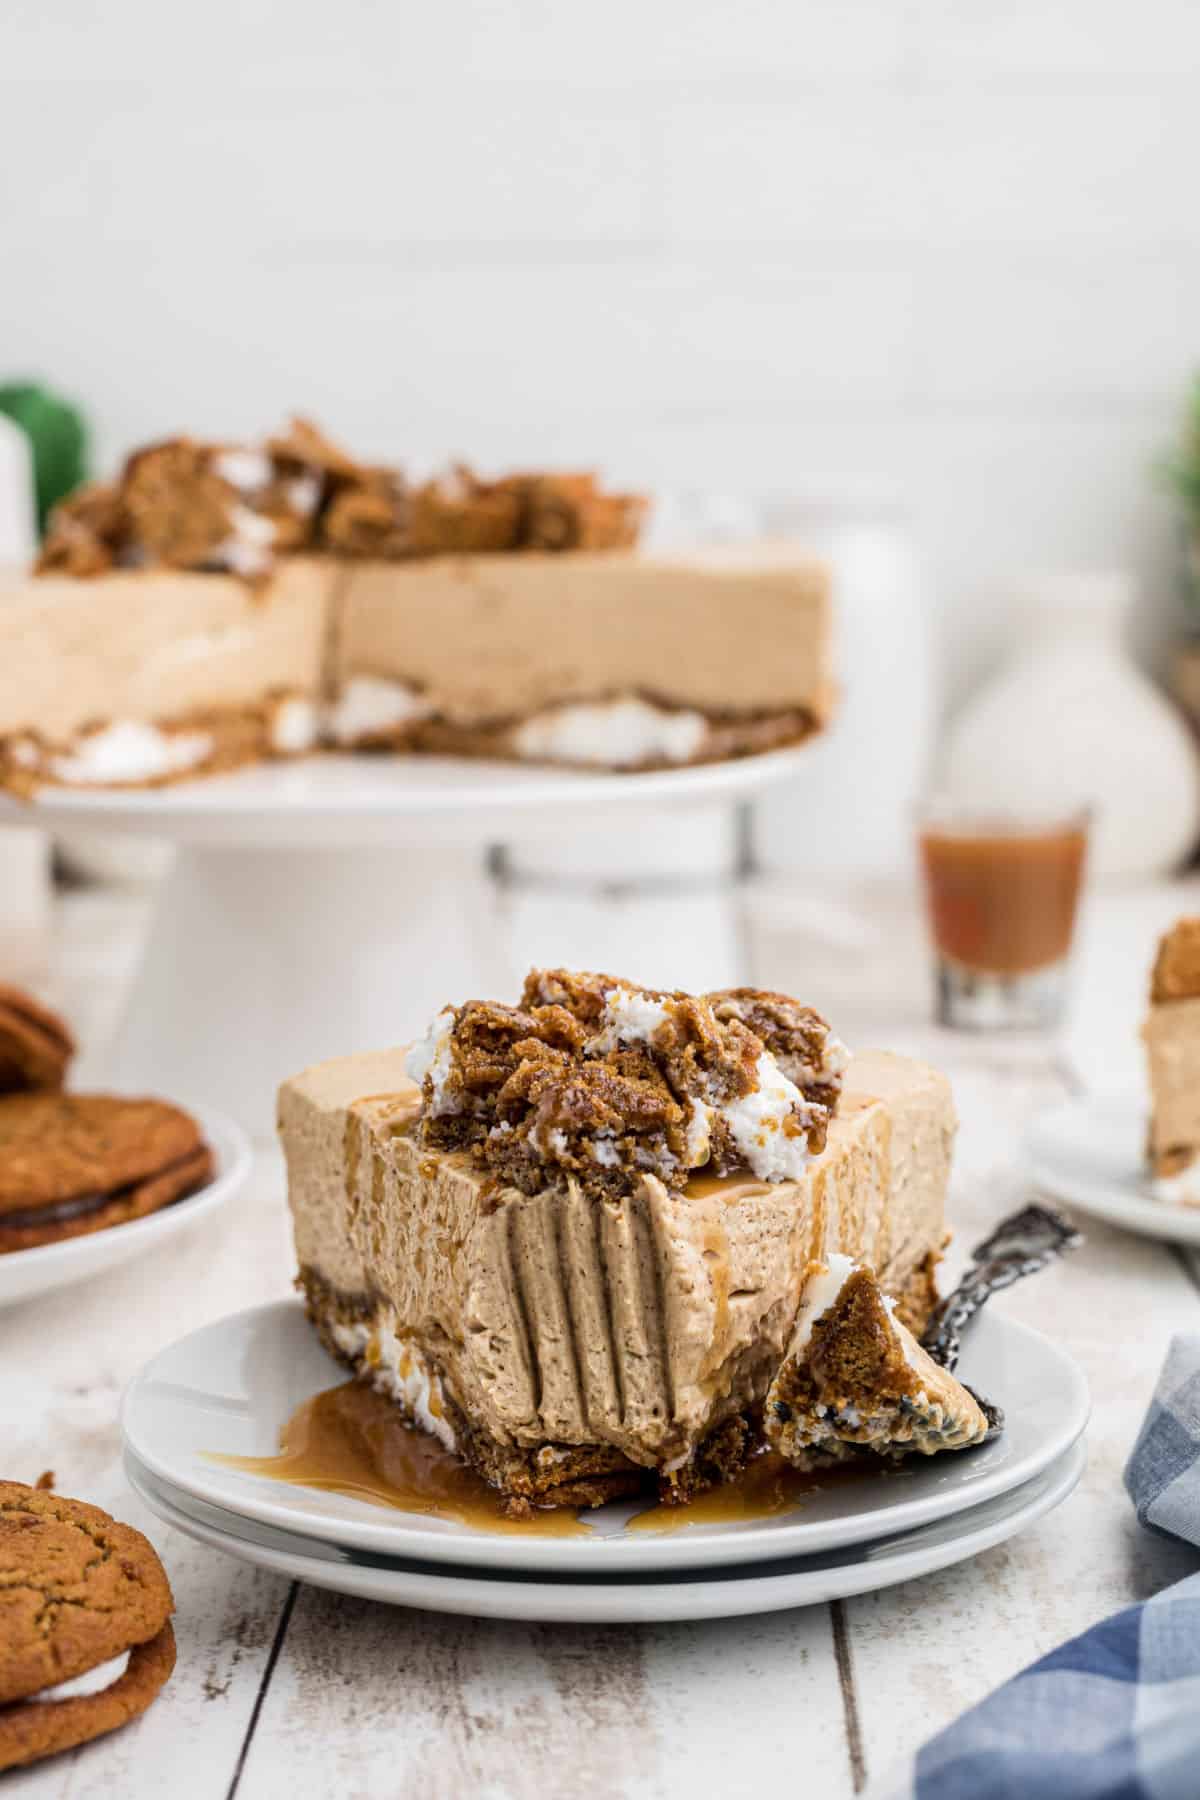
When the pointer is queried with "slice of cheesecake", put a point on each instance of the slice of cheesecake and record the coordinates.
(856, 1383)
(575, 1250)
(136, 678)
(1172, 1037)
(612, 660)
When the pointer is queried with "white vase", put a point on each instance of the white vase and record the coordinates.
(1072, 720)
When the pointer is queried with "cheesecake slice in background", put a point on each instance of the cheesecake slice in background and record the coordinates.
(855, 1382)
(1172, 1037)
(573, 1247)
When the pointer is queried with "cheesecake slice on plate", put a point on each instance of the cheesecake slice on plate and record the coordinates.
(1172, 1038)
(570, 1237)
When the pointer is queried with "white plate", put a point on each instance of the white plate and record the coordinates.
(620, 1598)
(329, 799)
(1091, 1152)
(230, 1386)
(24, 1273)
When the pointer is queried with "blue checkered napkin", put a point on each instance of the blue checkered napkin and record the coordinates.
(1115, 1713)
(1163, 1476)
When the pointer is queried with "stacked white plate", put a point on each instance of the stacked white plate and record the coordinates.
(228, 1388)
(1091, 1152)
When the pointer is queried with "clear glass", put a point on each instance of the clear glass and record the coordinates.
(1002, 896)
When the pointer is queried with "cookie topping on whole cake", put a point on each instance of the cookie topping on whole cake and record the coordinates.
(601, 1080)
(183, 504)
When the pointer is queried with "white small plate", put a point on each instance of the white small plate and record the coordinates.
(619, 1598)
(229, 1387)
(1090, 1151)
(24, 1273)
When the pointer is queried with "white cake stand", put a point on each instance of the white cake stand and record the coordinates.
(331, 905)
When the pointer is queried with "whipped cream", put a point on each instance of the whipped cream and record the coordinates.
(432, 1056)
(698, 1134)
(373, 703)
(130, 750)
(820, 1292)
(613, 732)
(398, 1369)
(246, 470)
(302, 494)
(295, 725)
(247, 549)
(757, 1124)
(628, 1018)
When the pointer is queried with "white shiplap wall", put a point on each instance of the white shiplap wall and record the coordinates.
(950, 246)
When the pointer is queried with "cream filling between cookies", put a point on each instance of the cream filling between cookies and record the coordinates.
(92, 1681)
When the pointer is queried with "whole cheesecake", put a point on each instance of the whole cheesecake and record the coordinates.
(220, 604)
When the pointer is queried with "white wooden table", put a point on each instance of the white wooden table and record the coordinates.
(285, 1690)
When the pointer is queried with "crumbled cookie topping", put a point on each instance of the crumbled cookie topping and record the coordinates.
(602, 1081)
(190, 505)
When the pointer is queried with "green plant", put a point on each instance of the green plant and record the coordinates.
(57, 437)
(1181, 470)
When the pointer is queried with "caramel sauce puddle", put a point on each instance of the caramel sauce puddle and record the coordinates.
(349, 1440)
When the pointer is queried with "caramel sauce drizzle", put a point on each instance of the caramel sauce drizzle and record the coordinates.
(351, 1440)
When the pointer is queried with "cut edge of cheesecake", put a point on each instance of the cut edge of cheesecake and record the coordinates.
(1171, 1035)
(575, 1349)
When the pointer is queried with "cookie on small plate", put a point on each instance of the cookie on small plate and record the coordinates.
(77, 1163)
(80, 1591)
(36, 1046)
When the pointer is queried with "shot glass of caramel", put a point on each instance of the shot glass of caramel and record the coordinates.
(1002, 893)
